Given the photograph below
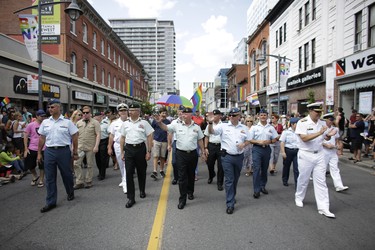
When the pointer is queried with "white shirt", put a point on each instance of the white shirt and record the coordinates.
(136, 132)
(57, 132)
(114, 129)
(178, 120)
(187, 136)
(231, 136)
(212, 137)
(332, 141)
(289, 138)
(260, 132)
(307, 126)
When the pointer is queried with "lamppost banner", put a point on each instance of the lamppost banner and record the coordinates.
(50, 21)
(29, 30)
(284, 74)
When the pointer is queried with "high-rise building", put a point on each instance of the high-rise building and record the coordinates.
(240, 52)
(152, 41)
(257, 12)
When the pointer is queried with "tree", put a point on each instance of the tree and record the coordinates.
(311, 95)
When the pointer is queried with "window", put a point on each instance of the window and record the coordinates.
(84, 31)
(102, 46)
(123, 63)
(307, 13)
(358, 28)
(109, 80)
(263, 78)
(313, 14)
(299, 58)
(94, 40)
(114, 56)
(119, 61)
(264, 48)
(277, 38)
(300, 20)
(85, 68)
(306, 51)
(94, 68)
(284, 32)
(72, 26)
(114, 82)
(371, 28)
(73, 63)
(313, 51)
(109, 51)
(103, 75)
(281, 35)
(253, 83)
(253, 60)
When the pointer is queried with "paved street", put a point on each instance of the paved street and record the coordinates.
(98, 219)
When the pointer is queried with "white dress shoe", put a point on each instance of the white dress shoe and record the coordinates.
(340, 189)
(326, 213)
(299, 203)
(125, 189)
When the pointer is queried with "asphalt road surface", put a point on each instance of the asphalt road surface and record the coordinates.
(98, 219)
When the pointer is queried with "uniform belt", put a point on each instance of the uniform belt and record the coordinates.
(215, 144)
(135, 145)
(261, 146)
(234, 155)
(58, 147)
(291, 148)
(187, 151)
(312, 152)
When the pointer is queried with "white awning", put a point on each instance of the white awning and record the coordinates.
(357, 85)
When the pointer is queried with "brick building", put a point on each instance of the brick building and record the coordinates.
(238, 88)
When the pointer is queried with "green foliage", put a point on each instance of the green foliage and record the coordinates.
(310, 96)
(146, 107)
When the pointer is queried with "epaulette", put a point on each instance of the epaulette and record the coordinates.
(304, 120)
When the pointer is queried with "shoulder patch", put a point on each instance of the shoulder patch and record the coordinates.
(304, 120)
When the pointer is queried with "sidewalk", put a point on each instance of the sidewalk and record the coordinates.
(365, 162)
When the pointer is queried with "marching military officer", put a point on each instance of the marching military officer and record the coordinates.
(188, 136)
(57, 133)
(136, 140)
(102, 157)
(261, 135)
(114, 140)
(312, 131)
(234, 138)
(212, 146)
(330, 149)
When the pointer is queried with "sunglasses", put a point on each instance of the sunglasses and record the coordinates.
(233, 115)
(249, 121)
(85, 113)
(79, 114)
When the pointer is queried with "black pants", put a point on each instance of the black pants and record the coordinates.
(186, 164)
(135, 158)
(102, 157)
(291, 157)
(214, 155)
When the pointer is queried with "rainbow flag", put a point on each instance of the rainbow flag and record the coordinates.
(197, 98)
(241, 93)
(5, 101)
(253, 99)
(129, 87)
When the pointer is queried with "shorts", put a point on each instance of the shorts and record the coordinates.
(357, 143)
(160, 149)
(31, 160)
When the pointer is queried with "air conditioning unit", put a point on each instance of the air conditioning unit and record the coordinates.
(357, 47)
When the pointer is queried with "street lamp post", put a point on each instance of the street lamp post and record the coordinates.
(74, 13)
(262, 58)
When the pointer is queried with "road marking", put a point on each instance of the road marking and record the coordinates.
(154, 243)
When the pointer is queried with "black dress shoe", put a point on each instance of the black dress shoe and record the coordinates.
(220, 187)
(209, 180)
(181, 205)
(142, 195)
(285, 184)
(256, 195)
(100, 178)
(230, 210)
(70, 197)
(264, 191)
(47, 208)
(174, 182)
(130, 203)
(191, 196)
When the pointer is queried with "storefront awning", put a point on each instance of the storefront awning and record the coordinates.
(357, 85)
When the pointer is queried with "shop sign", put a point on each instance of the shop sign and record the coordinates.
(356, 63)
(49, 90)
(83, 96)
(99, 99)
(310, 77)
(113, 100)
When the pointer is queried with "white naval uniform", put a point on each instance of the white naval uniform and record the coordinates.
(114, 129)
(332, 160)
(311, 160)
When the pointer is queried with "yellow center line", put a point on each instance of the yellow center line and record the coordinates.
(154, 243)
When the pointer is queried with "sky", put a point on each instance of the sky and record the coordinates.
(207, 32)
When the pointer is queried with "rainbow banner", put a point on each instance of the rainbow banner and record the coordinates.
(5, 101)
(253, 99)
(29, 30)
(241, 93)
(129, 87)
(197, 98)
